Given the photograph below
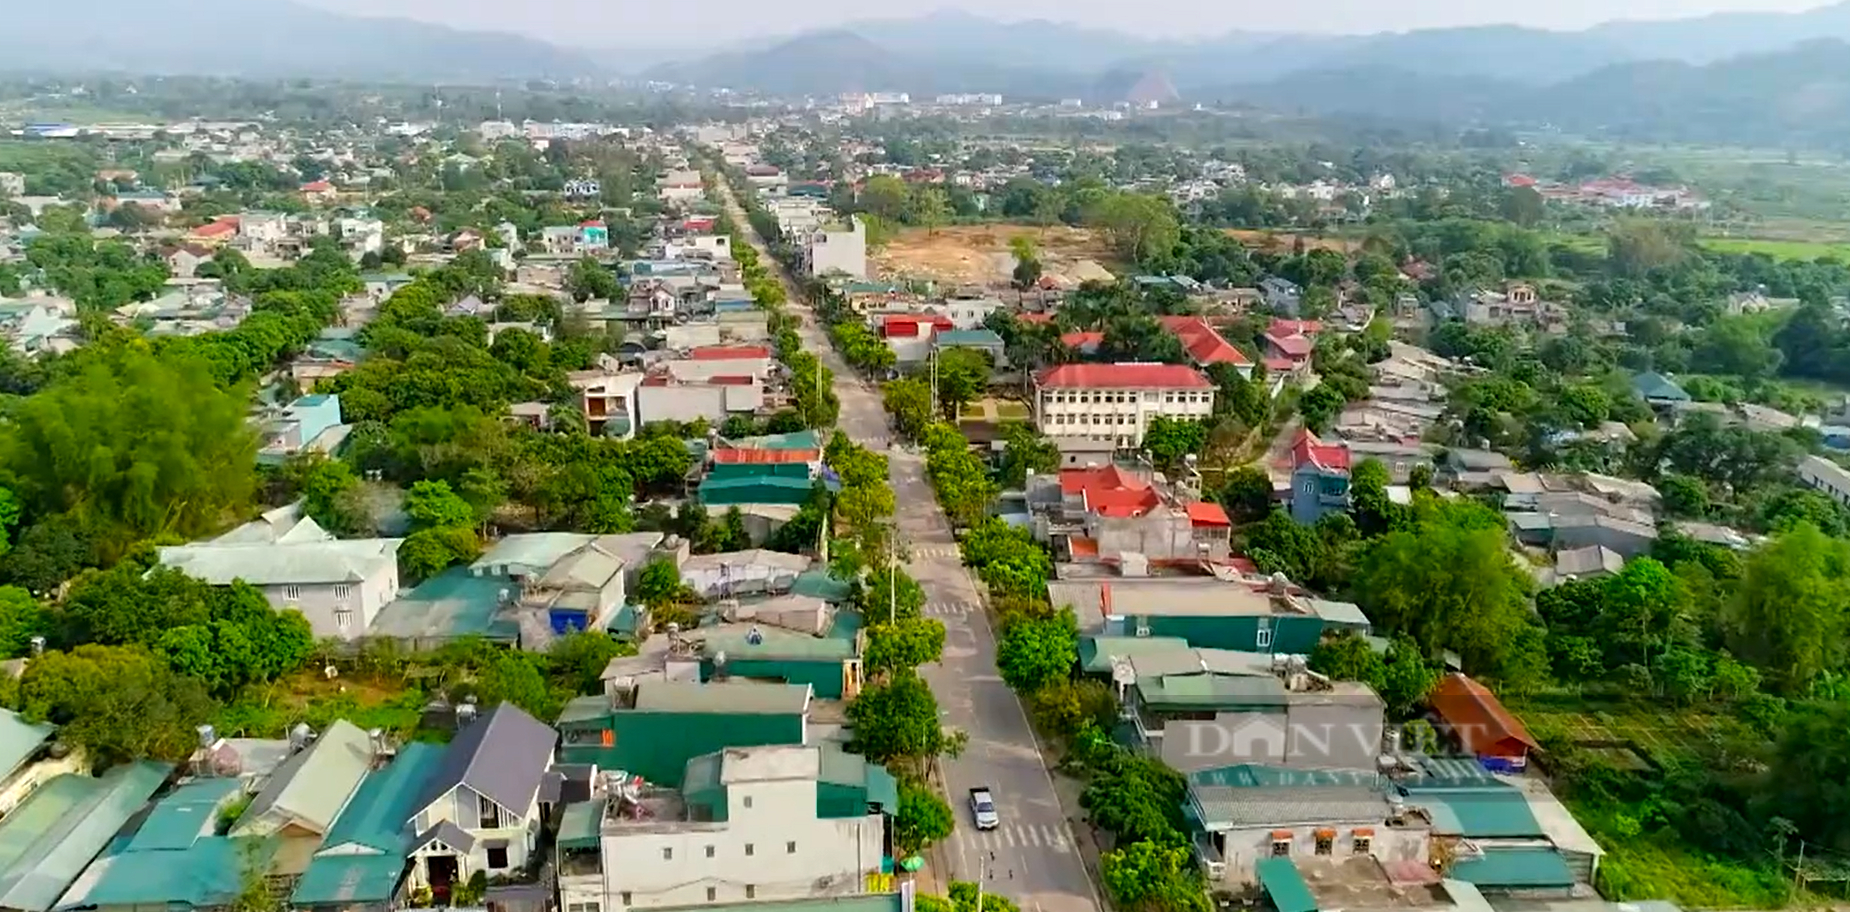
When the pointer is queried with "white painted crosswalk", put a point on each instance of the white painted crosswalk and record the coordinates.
(1016, 836)
(946, 609)
(935, 552)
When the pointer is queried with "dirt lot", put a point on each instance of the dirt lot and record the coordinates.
(1282, 242)
(979, 254)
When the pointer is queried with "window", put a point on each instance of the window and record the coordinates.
(790, 848)
(668, 854)
(747, 800)
(709, 851)
(1264, 638)
(1326, 843)
(343, 618)
(626, 897)
(748, 849)
(1280, 847)
(489, 813)
(292, 592)
(751, 890)
(497, 857)
(1363, 844)
(712, 894)
(342, 593)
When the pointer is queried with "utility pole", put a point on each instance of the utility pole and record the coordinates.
(980, 874)
(892, 581)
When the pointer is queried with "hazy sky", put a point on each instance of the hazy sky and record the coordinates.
(635, 23)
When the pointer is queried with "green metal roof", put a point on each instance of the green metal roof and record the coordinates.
(375, 816)
(973, 338)
(338, 880)
(1252, 775)
(1653, 385)
(581, 826)
(1514, 869)
(47, 841)
(818, 583)
(777, 644)
(1096, 652)
(19, 739)
(1211, 691)
(722, 697)
(593, 708)
(842, 768)
(1499, 811)
(1284, 886)
(796, 440)
(175, 858)
(454, 603)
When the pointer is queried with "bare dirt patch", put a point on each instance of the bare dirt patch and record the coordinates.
(1285, 242)
(979, 254)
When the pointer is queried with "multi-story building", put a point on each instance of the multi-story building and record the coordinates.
(1117, 401)
(748, 823)
(337, 585)
(839, 249)
(608, 400)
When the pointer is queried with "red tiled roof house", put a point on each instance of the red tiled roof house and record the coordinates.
(1319, 478)
(1470, 713)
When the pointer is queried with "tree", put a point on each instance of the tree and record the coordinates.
(923, 818)
(1153, 877)
(428, 552)
(908, 400)
(1171, 439)
(1033, 653)
(1449, 585)
(1027, 272)
(432, 505)
(892, 593)
(106, 443)
(659, 584)
(906, 643)
(1025, 452)
(1321, 405)
(896, 719)
(884, 196)
(1140, 227)
(589, 280)
(1684, 496)
(963, 375)
(1247, 494)
(1787, 616)
(929, 209)
(118, 703)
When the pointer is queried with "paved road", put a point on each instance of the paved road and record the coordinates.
(1034, 859)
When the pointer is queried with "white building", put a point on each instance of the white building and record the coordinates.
(835, 249)
(1827, 477)
(662, 397)
(337, 585)
(482, 810)
(753, 823)
(607, 396)
(1117, 401)
(12, 184)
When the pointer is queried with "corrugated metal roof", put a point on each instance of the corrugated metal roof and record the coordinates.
(1479, 813)
(774, 644)
(387, 798)
(1514, 869)
(47, 841)
(338, 880)
(722, 697)
(313, 785)
(281, 564)
(19, 739)
(1224, 807)
(1212, 690)
(183, 817)
(864, 902)
(1285, 886)
(581, 825)
(174, 858)
(501, 756)
(1096, 652)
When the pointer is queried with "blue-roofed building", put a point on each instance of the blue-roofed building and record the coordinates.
(362, 862)
(175, 860)
(47, 841)
(309, 423)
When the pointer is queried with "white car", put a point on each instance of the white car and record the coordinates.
(983, 808)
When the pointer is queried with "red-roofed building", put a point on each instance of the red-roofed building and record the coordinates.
(319, 191)
(1116, 401)
(1118, 511)
(1469, 712)
(1205, 344)
(1518, 180)
(1289, 350)
(215, 232)
(913, 326)
(1283, 327)
(709, 363)
(1034, 319)
(731, 456)
(1319, 477)
(1085, 343)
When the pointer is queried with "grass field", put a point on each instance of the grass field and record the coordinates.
(1779, 249)
(1654, 864)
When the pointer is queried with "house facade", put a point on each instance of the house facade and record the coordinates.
(339, 586)
(481, 809)
(1117, 401)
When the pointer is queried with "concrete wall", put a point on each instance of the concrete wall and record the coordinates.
(790, 853)
(1243, 848)
(839, 251)
(1320, 736)
(326, 606)
(462, 806)
(1064, 413)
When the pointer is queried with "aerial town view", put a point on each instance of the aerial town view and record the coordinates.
(1166, 457)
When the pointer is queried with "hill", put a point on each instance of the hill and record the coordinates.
(267, 39)
(836, 61)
